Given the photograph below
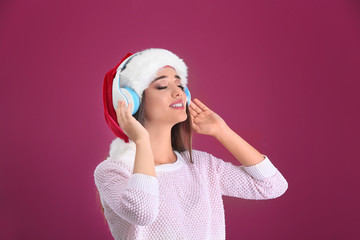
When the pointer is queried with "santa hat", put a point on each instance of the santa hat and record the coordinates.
(137, 72)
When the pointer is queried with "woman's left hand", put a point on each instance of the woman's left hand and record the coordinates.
(204, 120)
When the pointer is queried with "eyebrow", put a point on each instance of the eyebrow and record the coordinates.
(161, 77)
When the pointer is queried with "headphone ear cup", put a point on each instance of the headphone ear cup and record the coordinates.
(128, 95)
(188, 95)
(132, 98)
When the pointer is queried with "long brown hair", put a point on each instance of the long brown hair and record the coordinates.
(181, 135)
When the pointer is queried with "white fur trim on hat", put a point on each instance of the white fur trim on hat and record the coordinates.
(123, 152)
(143, 66)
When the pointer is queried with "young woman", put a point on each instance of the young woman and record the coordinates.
(154, 185)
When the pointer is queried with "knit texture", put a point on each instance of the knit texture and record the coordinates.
(184, 200)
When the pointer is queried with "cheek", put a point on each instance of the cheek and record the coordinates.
(154, 107)
(156, 100)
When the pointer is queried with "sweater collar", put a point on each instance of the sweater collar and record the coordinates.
(125, 153)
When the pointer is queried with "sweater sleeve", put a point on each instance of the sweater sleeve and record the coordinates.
(133, 197)
(260, 181)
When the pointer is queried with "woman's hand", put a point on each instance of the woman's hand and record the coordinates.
(204, 120)
(131, 127)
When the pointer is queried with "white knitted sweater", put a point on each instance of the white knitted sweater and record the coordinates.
(184, 200)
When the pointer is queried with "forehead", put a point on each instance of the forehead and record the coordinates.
(165, 74)
(167, 70)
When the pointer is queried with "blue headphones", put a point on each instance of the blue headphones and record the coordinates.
(128, 94)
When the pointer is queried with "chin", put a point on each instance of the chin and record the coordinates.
(180, 119)
(184, 118)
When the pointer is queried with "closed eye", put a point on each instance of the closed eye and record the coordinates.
(160, 88)
(180, 86)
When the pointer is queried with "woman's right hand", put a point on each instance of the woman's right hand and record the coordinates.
(131, 127)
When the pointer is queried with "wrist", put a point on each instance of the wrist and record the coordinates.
(222, 132)
(142, 141)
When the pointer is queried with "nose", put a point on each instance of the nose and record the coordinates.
(177, 91)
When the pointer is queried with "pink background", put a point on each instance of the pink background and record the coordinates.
(283, 74)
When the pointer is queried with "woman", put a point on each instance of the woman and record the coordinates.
(153, 185)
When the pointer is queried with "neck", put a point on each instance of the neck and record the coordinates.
(160, 138)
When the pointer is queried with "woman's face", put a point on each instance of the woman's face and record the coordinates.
(162, 93)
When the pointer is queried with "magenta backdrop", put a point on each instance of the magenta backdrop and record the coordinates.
(283, 74)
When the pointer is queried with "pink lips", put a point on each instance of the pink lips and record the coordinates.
(179, 101)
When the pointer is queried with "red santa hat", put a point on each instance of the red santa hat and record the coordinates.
(137, 72)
